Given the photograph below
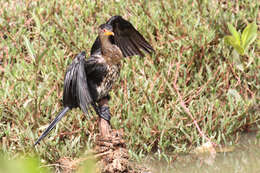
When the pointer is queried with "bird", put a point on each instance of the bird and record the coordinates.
(88, 81)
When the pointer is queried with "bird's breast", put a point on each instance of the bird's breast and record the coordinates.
(109, 79)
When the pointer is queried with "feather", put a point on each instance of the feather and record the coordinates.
(126, 37)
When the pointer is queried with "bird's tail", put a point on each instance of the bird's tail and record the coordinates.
(53, 123)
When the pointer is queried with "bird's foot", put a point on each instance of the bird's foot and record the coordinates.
(104, 113)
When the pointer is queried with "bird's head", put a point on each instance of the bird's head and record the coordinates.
(105, 30)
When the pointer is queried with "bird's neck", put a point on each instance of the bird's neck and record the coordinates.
(110, 52)
(106, 47)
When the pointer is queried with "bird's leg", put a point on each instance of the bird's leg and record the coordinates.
(104, 117)
(104, 109)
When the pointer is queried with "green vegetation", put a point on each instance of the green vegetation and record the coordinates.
(23, 165)
(34, 165)
(192, 66)
(241, 41)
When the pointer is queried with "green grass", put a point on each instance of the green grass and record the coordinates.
(39, 39)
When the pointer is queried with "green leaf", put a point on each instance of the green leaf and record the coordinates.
(29, 48)
(239, 49)
(234, 32)
(230, 40)
(249, 35)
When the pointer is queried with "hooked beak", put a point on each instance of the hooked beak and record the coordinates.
(107, 33)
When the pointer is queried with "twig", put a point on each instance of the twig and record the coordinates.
(103, 154)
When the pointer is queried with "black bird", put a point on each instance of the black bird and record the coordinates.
(89, 81)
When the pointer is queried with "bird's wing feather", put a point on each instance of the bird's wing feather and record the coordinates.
(126, 37)
(96, 68)
(76, 92)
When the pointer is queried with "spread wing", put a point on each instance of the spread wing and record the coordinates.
(76, 91)
(126, 37)
(81, 73)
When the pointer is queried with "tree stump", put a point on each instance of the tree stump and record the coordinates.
(111, 149)
(104, 128)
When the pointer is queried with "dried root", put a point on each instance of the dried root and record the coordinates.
(112, 154)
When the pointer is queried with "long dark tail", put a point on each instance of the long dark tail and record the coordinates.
(53, 123)
(76, 92)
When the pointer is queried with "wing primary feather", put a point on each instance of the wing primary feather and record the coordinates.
(76, 92)
(130, 47)
(131, 41)
(135, 47)
(69, 85)
(124, 47)
(141, 42)
(119, 44)
(83, 93)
